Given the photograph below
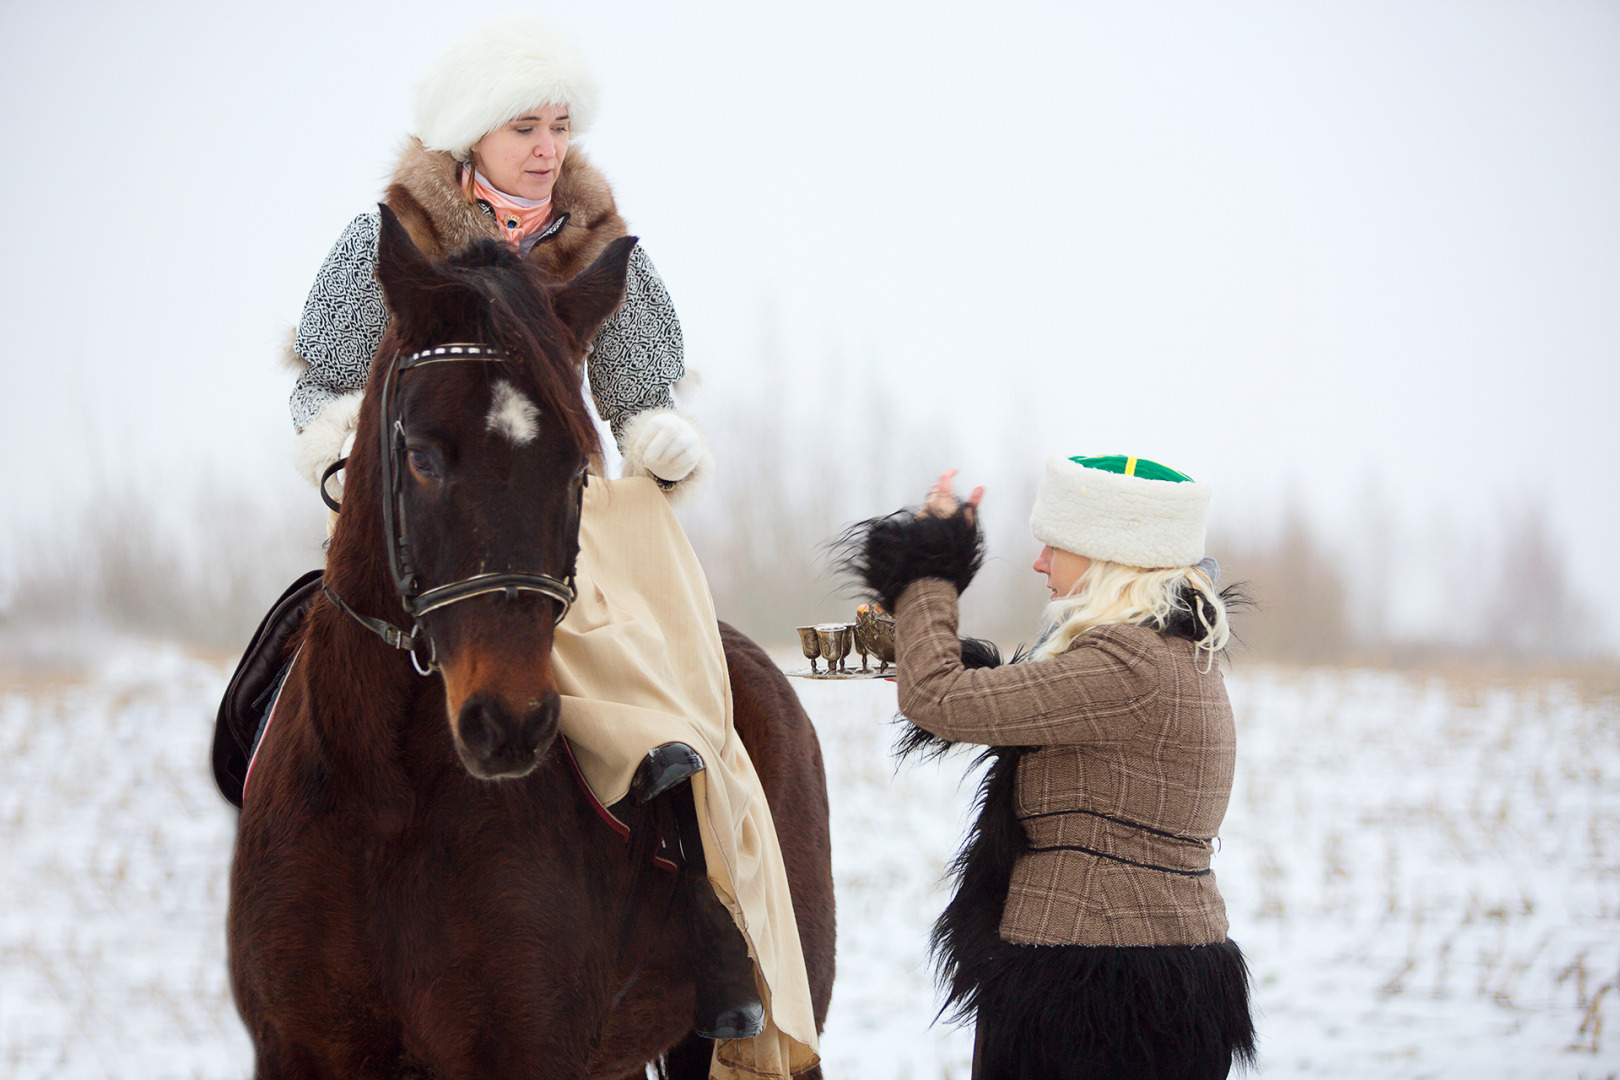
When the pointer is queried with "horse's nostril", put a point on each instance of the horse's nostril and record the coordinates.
(496, 741)
(541, 722)
(483, 731)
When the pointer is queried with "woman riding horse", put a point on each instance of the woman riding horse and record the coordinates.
(643, 706)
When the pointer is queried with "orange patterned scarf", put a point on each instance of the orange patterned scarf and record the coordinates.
(518, 218)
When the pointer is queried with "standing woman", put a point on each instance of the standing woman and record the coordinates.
(646, 705)
(1087, 936)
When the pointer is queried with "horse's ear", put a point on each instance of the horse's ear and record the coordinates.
(583, 302)
(403, 271)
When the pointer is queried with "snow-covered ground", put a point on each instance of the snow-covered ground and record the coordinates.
(1425, 876)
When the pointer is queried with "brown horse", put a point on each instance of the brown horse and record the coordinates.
(421, 887)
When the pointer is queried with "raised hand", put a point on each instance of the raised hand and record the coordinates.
(942, 500)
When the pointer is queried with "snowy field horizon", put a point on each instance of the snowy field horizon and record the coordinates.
(1423, 869)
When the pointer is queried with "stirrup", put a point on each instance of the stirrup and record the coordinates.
(738, 1022)
(663, 768)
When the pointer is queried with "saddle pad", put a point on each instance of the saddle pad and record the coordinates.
(256, 681)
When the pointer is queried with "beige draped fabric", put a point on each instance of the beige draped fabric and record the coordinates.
(639, 663)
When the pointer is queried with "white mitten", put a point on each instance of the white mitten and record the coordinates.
(336, 484)
(673, 447)
(327, 437)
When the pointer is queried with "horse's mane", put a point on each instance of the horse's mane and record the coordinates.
(518, 316)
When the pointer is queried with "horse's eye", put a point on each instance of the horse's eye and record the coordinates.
(421, 462)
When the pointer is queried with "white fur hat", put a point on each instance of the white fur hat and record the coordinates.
(1121, 509)
(494, 75)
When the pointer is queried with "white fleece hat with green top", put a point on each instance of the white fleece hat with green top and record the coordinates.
(1122, 509)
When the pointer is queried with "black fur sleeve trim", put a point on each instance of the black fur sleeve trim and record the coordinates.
(976, 653)
(889, 553)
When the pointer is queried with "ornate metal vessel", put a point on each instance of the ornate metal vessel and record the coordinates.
(874, 635)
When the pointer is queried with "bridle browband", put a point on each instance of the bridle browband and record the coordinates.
(417, 601)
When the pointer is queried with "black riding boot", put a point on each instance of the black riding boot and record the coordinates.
(663, 768)
(728, 1005)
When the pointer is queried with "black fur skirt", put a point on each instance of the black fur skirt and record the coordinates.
(1079, 1012)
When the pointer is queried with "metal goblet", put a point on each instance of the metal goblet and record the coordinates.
(809, 644)
(835, 640)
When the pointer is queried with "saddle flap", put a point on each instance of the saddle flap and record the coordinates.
(241, 710)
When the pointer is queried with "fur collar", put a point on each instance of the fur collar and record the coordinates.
(425, 195)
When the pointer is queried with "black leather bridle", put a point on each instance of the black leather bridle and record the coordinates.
(416, 600)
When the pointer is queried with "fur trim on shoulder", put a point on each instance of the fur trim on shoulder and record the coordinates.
(889, 553)
(321, 441)
(633, 449)
(425, 193)
(429, 177)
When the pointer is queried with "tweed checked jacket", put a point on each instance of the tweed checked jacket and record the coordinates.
(1123, 788)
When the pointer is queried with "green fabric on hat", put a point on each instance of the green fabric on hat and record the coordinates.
(1147, 470)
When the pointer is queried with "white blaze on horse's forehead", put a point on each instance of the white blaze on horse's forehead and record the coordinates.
(511, 414)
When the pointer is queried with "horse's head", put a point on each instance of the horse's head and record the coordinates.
(479, 463)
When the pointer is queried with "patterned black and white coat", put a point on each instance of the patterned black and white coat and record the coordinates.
(635, 360)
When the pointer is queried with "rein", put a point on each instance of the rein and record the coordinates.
(417, 601)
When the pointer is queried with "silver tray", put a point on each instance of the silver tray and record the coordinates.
(837, 676)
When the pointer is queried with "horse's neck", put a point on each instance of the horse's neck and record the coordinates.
(366, 707)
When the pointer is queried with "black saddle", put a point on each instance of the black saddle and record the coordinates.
(252, 690)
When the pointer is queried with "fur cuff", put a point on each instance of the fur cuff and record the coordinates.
(976, 653)
(321, 441)
(633, 448)
(889, 553)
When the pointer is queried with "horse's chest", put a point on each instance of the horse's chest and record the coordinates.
(467, 920)
(460, 895)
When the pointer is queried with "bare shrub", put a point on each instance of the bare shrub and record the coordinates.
(757, 533)
(204, 578)
(791, 481)
(1302, 613)
(1533, 612)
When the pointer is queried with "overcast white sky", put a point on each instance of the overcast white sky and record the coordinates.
(1280, 246)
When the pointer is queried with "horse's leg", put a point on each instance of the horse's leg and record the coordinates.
(688, 1061)
(783, 745)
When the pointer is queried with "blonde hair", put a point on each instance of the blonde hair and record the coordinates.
(1113, 594)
